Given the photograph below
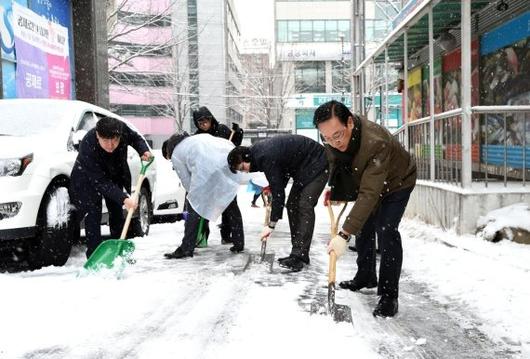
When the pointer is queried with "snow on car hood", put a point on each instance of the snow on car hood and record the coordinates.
(15, 146)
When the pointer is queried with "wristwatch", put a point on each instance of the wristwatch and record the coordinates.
(346, 237)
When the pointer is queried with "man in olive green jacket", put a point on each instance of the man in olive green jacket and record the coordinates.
(368, 166)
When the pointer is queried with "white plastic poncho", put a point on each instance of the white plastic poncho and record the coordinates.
(200, 162)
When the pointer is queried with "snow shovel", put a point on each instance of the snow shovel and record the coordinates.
(202, 235)
(340, 312)
(264, 257)
(107, 251)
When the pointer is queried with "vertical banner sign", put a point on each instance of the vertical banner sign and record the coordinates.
(43, 65)
(414, 94)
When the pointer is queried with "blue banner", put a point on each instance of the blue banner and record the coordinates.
(506, 34)
(57, 11)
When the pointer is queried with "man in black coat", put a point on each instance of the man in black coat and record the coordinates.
(206, 123)
(101, 171)
(281, 158)
(231, 230)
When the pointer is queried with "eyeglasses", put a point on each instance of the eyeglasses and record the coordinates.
(335, 137)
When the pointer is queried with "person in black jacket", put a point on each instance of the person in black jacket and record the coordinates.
(101, 171)
(206, 123)
(281, 158)
(231, 230)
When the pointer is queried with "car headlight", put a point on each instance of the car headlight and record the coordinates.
(14, 166)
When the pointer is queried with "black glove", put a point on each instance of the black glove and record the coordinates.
(238, 134)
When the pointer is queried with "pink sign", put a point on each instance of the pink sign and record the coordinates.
(58, 77)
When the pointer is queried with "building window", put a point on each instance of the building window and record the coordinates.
(310, 76)
(282, 31)
(319, 31)
(234, 116)
(375, 29)
(331, 31)
(132, 18)
(293, 31)
(127, 49)
(312, 30)
(143, 110)
(340, 78)
(344, 29)
(139, 79)
(306, 31)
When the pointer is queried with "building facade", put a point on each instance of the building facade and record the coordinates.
(209, 60)
(313, 46)
(141, 66)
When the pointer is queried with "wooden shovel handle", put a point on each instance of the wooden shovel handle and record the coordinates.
(131, 210)
(332, 270)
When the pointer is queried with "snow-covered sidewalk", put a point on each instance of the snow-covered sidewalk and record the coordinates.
(459, 296)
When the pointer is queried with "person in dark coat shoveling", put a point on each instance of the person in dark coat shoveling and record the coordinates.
(101, 171)
(282, 158)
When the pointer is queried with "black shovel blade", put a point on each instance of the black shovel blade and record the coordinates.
(339, 312)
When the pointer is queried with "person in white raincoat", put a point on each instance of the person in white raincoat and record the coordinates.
(200, 162)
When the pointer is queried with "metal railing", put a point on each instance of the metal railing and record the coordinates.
(500, 148)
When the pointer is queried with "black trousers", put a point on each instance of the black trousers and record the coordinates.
(385, 222)
(89, 208)
(232, 225)
(255, 198)
(301, 213)
(191, 229)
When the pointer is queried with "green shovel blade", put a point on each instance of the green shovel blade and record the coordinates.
(107, 252)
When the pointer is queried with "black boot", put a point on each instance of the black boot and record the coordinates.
(387, 307)
(226, 241)
(236, 249)
(178, 253)
(293, 263)
(283, 259)
(357, 284)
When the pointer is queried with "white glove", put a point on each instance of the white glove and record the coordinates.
(266, 232)
(337, 245)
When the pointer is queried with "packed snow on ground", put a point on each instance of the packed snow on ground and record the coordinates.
(206, 307)
(490, 279)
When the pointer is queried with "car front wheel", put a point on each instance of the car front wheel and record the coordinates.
(52, 244)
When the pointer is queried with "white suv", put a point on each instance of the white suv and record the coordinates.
(38, 148)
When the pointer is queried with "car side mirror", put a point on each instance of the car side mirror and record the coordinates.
(77, 137)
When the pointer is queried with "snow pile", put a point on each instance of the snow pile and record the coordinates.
(499, 223)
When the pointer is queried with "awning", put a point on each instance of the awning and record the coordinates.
(446, 15)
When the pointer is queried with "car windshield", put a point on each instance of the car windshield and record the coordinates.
(21, 119)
